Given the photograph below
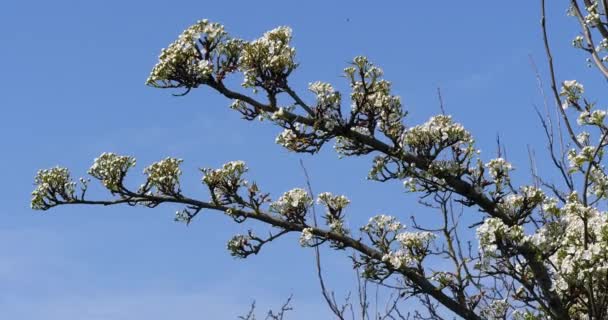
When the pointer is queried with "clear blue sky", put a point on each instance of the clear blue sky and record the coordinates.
(72, 86)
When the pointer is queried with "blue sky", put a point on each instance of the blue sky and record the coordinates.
(72, 84)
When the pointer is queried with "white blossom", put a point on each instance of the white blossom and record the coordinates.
(288, 139)
(52, 185)
(496, 310)
(268, 58)
(578, 159)
(397, 259)
(293, 204)
(440, 131)
(237, 245)
(306, 237)
(578, 42)
(382, 222)
(164, 175)
(226, 181)
(182, 60)
(493, 230)
(334, 204)
(572, 90)
(325, 93)
(331, 201)
(415, 240)
(499, 169)
(111, 169)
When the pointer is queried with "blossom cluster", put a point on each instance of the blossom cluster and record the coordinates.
(183, 216)
(382, 224)
(415, 240)
(577, 42)
(575, 236)
(599, 181)
(521, 204)
(413, 247)
(434, 135)
(592, 18)
(293, 204)
(164, 176)
(572, 90)
(499, 169)
(582, 246)
(111, 169)
(266, 61)
(238, 245)
(289, 138)
(443, 279)
(496, 310)
(325, 93)
(494, 232)
(595, 117)
(184, 62)
(327, 104)
(306, 237)
(52, 185)
(578, 159)
(225, 182)
(372, 100)
(334, 204)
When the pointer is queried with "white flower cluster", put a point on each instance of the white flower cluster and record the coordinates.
(418, 240)
(52, 185)
(325, 93)
(496, 310)
(499, 170)
(306, 237)
(164, 175)
(278, 115)
(111, 169)
(599, 182)
(575, 260)
(397, 259)
(592, 19)
(528, 198)
(578, 42)
(444, 279)
(371, 96)
(494, 231)
(334, 205)
(237, 245)
(328, 103)
(381, 224)
(288, 138)
(577, 237)
(439, 132)
(182, 216)
(225, 182)
(293, 204)
(603, 47)
(333, 202)
(238, 105)
(583, 138)
(578, 159)
(410, 184)
(183, 60)
(595, 117)
(572, 90)
(413, 248)
(268, 59)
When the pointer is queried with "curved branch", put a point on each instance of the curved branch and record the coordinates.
(412, 274)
